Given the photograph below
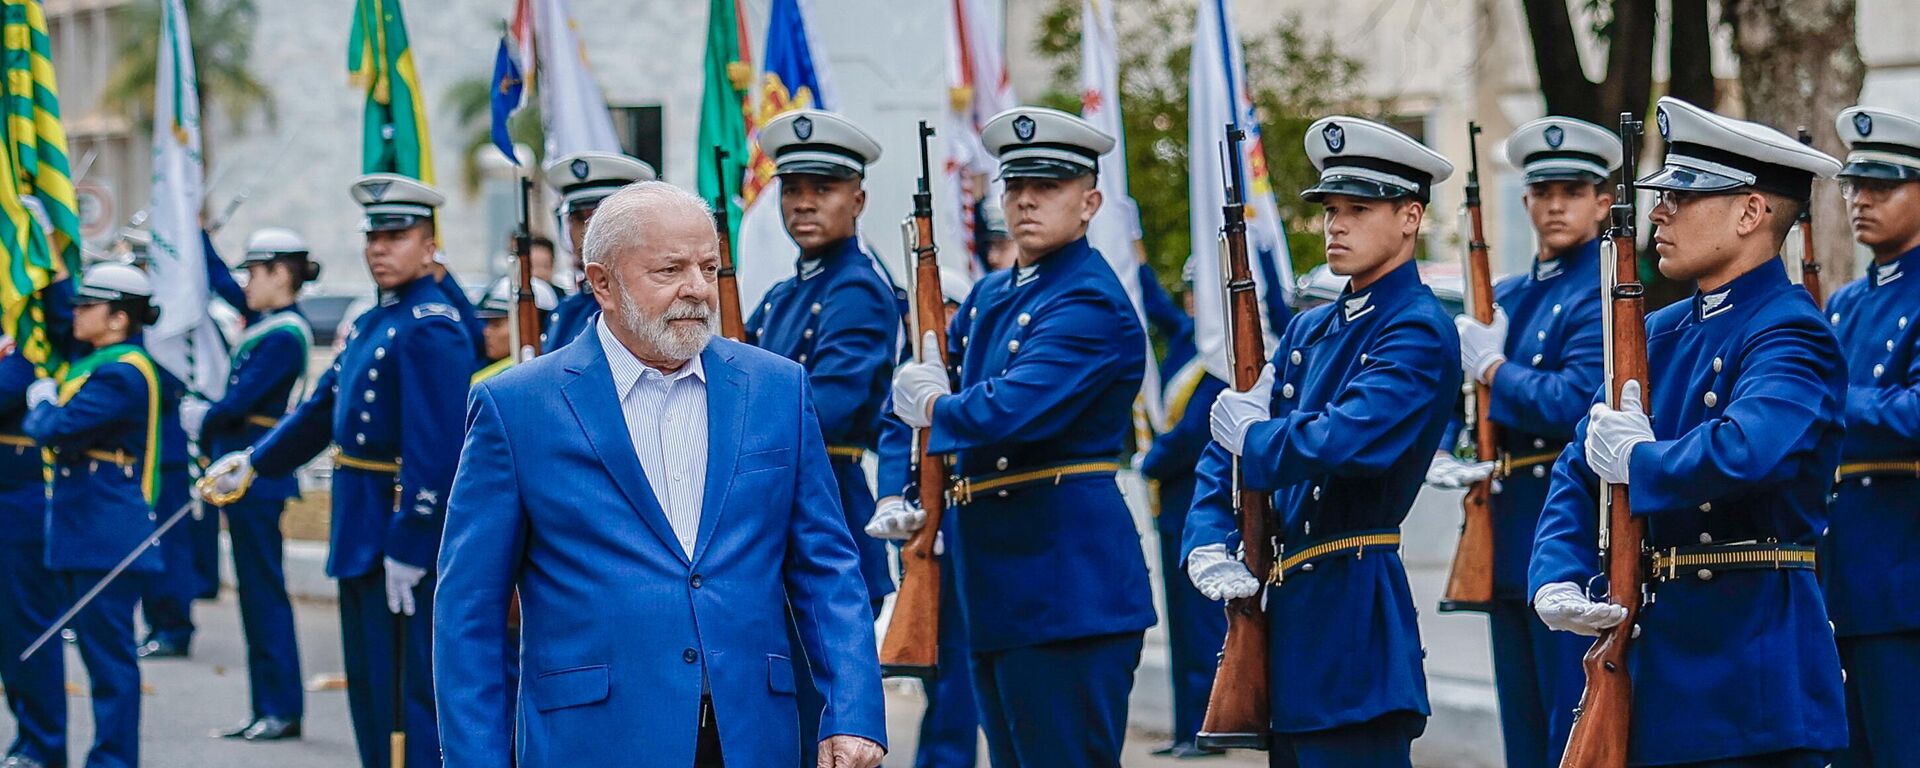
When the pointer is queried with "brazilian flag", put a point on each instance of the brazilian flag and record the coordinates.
(379, 60)
(723, 121)
(39, 226)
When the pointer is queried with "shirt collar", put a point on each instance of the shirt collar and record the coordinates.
(1756, 283)
(628, 370)
(1357, 304)
(407, 292)
(1061, 260)
(1572, 260)
(809, 267)
(1881, 274)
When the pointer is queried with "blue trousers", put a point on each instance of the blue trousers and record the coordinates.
(1883, 700)
(266, 613)
(1058, 705)
(1196, 630)
(104, 634)
(167, 603)
(31, 597)
(1383, 742)
(950, 727)
(1538, 679)
(1793, 759)
(367, 637)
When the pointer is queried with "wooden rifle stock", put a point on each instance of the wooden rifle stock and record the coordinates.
(1238, 709)
(1470, 583)
(1809, 261)
(526, 308)
(1603, 722)
(732, 324)
(912, 644)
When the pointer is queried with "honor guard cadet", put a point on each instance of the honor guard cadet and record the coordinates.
(1871, 557)
(496, 310)
(101, 428)
(190, 551)
(1340, 429)
(31, 596)
(269, 366)
(1048, 359)
(1734, 662)
(389, 405)
(1195, 626)
(1541, 358)
(583, 179)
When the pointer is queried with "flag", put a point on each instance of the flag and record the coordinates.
(791, 79)
(572, 109)
(394, 136)
(186, 341)
(1218, 95)
(977, 89)
(507, 87)
(723, 118)
(36, 175)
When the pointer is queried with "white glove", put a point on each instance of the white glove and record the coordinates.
(916, 384)
(231, 472)
(1482, 346)
(401, 579)
(1612, 434)
(895, 520)
(42, 391)
(1234, 412)
(1449, 473)
(1564, 606)
(1219, 575)
(193, 416)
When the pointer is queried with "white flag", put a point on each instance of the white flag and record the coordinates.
(572, 109)
(1218, 95)
(1115, 228)
(977, 89)
(186, 341)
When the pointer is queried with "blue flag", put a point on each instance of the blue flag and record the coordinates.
(506, 98)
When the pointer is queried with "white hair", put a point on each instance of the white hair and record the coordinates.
(622, 221)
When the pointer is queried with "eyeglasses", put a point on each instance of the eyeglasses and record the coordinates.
(1671, 201)
(1854, 188)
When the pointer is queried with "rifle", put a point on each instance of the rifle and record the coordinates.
(1809, 264)
(732, 325)
(912, 645)
(1602, 723)
(1238, 707)
(1470, 583)
(526, 310)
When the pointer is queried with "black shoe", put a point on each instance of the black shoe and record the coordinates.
(1185, 751)
(161, 648)
(271, 729)
(1166, 751)
(238, 731)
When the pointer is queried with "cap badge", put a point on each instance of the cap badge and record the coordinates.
(1023, 128)
(1660, 119)
(1556, 136)
(579, 168)
(1863, 123)
(803, 128)
(1335, 136)
(377, 190)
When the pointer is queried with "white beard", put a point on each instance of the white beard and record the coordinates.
(672, 342)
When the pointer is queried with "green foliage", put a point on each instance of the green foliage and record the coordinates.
(1295, 77)
(222, 32)
(471, 101)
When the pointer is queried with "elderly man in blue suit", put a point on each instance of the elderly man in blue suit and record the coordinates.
(656, 541)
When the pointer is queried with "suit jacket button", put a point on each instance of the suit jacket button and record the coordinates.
(1706, 538)
(1000, 463)
(1307, 568)
(1286, 390)
(695, 581)
(1295, 357)
(1538, 358)
(690, 655)
(1705, 574)
(1539, 443)
(1879, 369)
(1539, 470)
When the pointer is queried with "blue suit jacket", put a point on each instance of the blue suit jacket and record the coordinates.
(619, 626)
(1745, 394)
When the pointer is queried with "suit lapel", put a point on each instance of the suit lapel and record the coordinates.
(726, 421)
(597, 407)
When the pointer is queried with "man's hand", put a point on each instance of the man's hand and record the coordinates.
(1234, 412)
(1562, 605)
(845, 751)
(1612, 434)
(1482, 346)
(916, 385)
(1451, 474)
(401, 579)
(1219, 575)
(895, 520)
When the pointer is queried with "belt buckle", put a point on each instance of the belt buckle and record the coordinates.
(961, 492)
(1503, 469)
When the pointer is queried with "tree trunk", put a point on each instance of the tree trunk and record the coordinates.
(1690, 54)
(1799, 66)
(1556, 59)
(1629, 84)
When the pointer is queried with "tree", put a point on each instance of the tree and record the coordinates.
(471, 101)
(1799, 66)
(1294, 77)
(1628, 29)
(222, 32)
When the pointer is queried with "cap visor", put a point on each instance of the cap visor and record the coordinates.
(85, 295)
(1352, 186)
(1545, 175)
(815, 168)
(1042, 168)
(388, 222)
(1867, 169)
(1674, 178)
(587, 201)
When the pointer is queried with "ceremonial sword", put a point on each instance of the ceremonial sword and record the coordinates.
(125, 562)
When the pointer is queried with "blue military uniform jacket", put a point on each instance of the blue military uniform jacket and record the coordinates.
(1745, 395)
(268, 365)
(1870, 564)
(104, 434)
(394, 396)
(571, 318)
(838, 317)
(1050, 359)
(1554, 365)
(23, 479)
(1360, 397)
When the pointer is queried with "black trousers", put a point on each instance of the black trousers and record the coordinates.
(706, 752)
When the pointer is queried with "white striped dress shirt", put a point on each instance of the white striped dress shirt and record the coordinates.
(666, 416)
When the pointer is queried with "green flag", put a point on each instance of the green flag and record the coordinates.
(379, 60)
(723, 121)
(39, 225)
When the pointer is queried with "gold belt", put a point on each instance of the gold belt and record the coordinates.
(1906, 467)
(1357, 544)
(964, 488)
(848, 452)
(1508, 463)
(1702, 561)
(17, 441)
(342, 459)
(117, 458)
(263, 421)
